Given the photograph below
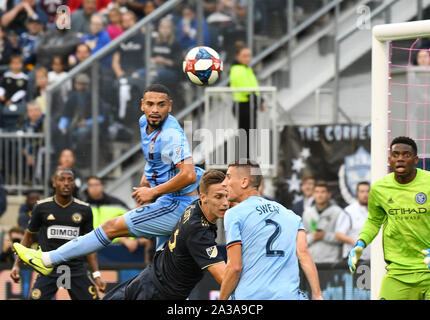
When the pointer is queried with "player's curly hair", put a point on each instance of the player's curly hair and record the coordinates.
(405, 140)
(157, 88)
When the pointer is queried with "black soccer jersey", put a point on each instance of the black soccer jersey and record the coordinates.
(14, 86)
(57, 225)
(189, 251)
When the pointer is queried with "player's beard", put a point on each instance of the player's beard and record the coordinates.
(155, 124)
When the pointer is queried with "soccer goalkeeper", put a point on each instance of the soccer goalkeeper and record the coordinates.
(399, 203)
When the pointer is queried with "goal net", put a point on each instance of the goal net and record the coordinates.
(400, 106)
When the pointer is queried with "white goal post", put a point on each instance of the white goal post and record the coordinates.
(381, 36)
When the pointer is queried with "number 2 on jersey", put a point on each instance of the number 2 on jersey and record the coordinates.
(269, 251)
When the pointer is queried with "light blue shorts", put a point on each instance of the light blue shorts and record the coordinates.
(157, 219)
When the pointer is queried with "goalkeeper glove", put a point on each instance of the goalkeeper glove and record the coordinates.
(427, 258)
(355, 254)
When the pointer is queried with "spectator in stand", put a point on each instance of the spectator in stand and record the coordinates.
(33, 123)
(14, 83)
(131, 52)
(14, 40)
(158, 3)
(28, 41)
(6, 49)
(122, 6)
(15, 234)
(76, 120)
(80, 22)
(236, 9)
(307, 200)
(423, 58)
(3, 200)
(148, 7)
(12, 94)
(125, 61)
(106, 207)
(58, 73)
(114, 29)
(50, 7)
(41, 83)
(351, 221)
(98, 37)
(209, 7)
(320, 221)
(16, 15)
(187, 29)
(242, 76)
(77, 4)
(264, 13)
(26, 208)
(166, 56)
(37, 92)
(56, 42)
(67, 159)
(135, 6)
(82, 52)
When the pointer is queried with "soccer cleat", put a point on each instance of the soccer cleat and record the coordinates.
(354, 255)
(32, 257)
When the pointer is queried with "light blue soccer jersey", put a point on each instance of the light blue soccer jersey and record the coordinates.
(267, 232)
(164, 149)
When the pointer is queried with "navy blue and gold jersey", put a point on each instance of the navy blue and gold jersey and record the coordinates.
(179, 266)
(57, 224)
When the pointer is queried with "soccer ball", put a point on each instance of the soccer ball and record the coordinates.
(202, 65)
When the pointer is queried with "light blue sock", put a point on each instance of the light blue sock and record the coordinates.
(78, 247)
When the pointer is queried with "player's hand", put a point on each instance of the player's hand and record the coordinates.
(100, 284)
(355, 254)
(143, 195)
(14, 274)
(318, 235)
(427, 258)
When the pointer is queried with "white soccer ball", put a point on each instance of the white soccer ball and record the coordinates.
(202, 65)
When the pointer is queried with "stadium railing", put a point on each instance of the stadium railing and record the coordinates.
(22, 156)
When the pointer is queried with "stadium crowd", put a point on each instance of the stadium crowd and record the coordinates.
(34, 53)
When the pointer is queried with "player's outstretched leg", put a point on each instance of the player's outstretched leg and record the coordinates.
(80, 246)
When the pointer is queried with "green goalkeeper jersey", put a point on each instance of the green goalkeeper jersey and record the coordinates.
(404, 212)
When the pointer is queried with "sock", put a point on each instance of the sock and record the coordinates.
(78, 247)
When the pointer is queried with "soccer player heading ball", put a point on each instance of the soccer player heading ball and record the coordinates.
(399, 203)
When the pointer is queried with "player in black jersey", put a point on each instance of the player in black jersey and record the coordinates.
(191, 249)
(59, 219)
